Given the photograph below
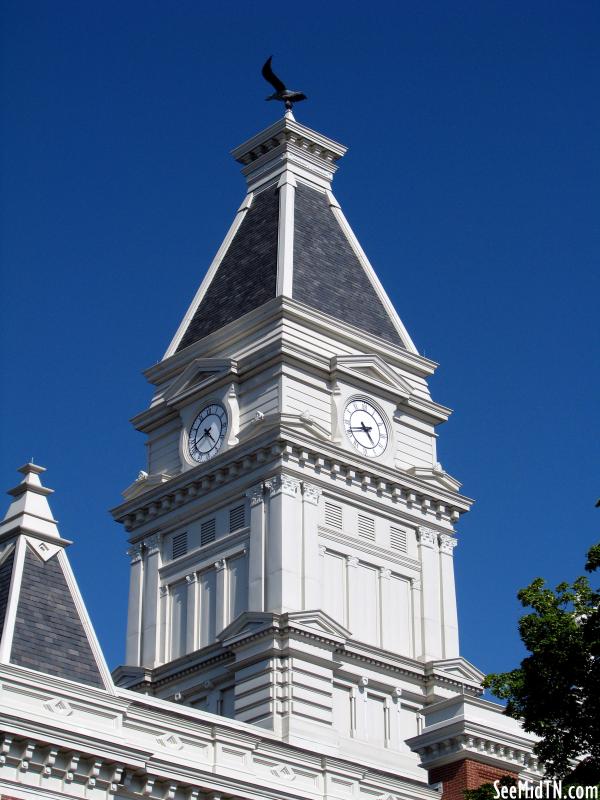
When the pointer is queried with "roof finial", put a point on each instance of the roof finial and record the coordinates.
(287, 96)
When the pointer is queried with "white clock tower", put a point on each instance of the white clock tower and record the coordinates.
(292, 535)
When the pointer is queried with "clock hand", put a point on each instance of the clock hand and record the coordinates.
(208, 433)
(366, 430)
(362, 429)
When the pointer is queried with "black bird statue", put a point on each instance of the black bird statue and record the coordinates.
(287, 96)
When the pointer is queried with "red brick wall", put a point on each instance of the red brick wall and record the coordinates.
(465, 774)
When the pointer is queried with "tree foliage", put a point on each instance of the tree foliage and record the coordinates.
(487, 791)
(556, 690)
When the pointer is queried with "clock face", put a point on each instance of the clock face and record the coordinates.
(365, 428)
(207, 433)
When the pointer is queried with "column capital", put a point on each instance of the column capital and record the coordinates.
(256, 494)
(447, 543)
(134, 552)
(282, 484)
(352, 561)
(322, 550)
(220, 564)
(427, 537)
(310, 493)
(192, 578)
(385, 573)
(163, 590)
(152, 544)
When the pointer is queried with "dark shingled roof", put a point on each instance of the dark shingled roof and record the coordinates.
(327, 274)
(5, 575)
(247, 276)
(49, 635)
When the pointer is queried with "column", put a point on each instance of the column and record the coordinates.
(164, 645)
(150, 617)
(430, 594)
(284, 545)
(256, 555)
(310, 547)
(192, 627)
(449, 614)
(222, 599)
(134, 608)
(417, 625)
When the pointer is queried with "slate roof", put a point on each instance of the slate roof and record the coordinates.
(247, 276)
(327, 274)
(49, 635)
(6, 569)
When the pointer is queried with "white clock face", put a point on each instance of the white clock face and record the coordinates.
(365, 428)
(207, 433)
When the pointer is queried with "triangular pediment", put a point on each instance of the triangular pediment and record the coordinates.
(437, 476)
(373, 370)
(457, 668)
(318, 621)
(199, 374)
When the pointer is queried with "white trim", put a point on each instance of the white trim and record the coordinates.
(86, 622)
(189, 315)
(12, 601)
(371, 274)
(285, 239)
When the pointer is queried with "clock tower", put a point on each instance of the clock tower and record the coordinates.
(292, 535)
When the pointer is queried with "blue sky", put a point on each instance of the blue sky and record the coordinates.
(471, 181)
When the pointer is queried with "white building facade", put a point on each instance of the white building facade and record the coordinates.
(292, 625)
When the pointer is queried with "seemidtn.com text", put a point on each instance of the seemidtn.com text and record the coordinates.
(544, 790)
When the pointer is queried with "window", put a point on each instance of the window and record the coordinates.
(366, 528)
(179, 545)
(208, 532)
(333, 515)
(237, 518)
(398, 539)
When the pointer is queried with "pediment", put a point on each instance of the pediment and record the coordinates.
(199, 374)
(437, 476)
(459, 669)
(318, 621)
(143, 483)
(373, 370)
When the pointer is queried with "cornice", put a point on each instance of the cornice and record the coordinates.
(328, 461)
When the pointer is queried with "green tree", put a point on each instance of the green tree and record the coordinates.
(556, 690)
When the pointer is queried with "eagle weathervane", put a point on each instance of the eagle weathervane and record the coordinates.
(287, 96)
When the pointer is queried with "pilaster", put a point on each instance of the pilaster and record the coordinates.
(221, 569)
(284, 544)
(192, 626)
(430, 595)
(257, 549)
(134, 612)
(310, 547)
(449, 613)
(150, 615)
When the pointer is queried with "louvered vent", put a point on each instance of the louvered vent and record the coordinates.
(208, 532)
(333, 515)
(398, 539)
(366, 528)
(180, 545)
(237, 518)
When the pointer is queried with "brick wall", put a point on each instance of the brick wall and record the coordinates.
(465, 774)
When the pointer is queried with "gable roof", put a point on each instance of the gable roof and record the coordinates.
(290, 238)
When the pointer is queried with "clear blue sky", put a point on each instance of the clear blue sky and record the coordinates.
(471, 181)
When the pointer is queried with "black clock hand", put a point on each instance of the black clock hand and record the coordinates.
(366, 430)
(208, 433)
(362, 429)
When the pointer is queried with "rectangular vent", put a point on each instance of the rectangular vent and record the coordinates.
(180, 545)
(208, 532)
(237, 518)
(398, 539)
(333, 515)
(366, 528)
